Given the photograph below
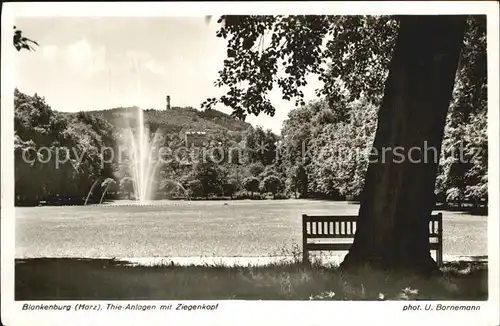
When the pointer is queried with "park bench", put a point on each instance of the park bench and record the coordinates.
(344, 227)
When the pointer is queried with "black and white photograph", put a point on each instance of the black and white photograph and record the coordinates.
(197, 155)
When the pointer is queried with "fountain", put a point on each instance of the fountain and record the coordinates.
(90, 191)
(139, 148)
(106, 184)
(143, 154)
(143, 164)
(175, 185)
(142, 150)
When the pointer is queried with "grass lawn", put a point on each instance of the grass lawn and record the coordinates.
(198, 229)
(93, 279)
(49, 239)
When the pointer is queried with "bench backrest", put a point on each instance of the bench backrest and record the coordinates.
(436, 226)
(323, 226)
(333, 227)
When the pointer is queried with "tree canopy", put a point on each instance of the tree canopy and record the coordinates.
(22, 42)
(265, 51)
(351, 55)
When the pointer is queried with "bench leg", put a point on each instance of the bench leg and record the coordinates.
(305, 257)
(440, 258)
(305, 254)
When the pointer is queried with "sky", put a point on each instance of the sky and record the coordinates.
(101, 63)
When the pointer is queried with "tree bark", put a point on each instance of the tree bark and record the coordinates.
(398, 197)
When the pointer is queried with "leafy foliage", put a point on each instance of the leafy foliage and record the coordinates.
(261, 145)
(463, 171)
(272, 184)
(230, 187)
(22, 42)
(251, 184)
(265, 51)
(210, 178)
(55, 156)
(256, 169)
(127, 186)
(340, 152)
(313, 133)
(88, 138)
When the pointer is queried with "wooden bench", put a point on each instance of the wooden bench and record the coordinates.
(344, 227)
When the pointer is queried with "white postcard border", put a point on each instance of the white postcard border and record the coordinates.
(244, 312)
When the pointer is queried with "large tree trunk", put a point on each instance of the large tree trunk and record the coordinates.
(398, 197)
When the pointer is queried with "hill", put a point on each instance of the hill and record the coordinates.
(175, 120)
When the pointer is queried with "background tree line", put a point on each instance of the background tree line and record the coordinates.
(321, 152)
(60, 156)
(327, 125)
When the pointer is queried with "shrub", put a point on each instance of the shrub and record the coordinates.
(271, 184)
(251, 184)
(248, 195)
(195, 188)
(229, 188)
(255, 169)
(282, 195)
